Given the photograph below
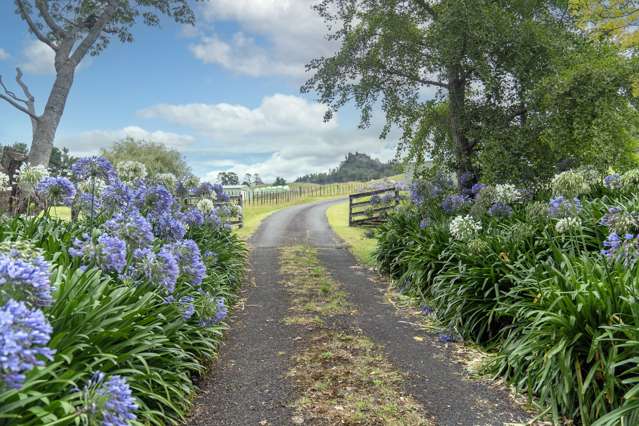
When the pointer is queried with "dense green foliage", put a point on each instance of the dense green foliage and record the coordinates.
(157, 158)
(560, 315)
(354, 167)
(102, 323)
(493, 90)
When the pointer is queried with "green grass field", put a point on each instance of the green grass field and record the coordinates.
(355, 238)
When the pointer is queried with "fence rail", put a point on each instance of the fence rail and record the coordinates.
(255, 198)
(369, 208)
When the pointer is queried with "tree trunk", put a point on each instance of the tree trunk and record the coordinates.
(456, 120)
(46, 125)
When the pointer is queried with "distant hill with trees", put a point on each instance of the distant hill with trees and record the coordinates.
(355, 167)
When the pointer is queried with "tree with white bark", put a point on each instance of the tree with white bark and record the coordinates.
(74, 29)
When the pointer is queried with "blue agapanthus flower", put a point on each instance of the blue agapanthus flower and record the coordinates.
(108, 253)
(221, 311)
(613, 181)
(56, 190)
(189, 260)
(93, 167)
(220, 195)
(499, 209)
(192, 217)
(110, 402)
(624, 249)
(454, 203)
(424, 223)
(205, 189)
(24, 334)
(476, 188)
(89, 204)
(155, 198)
(187, 307)
(564, 207)
(117, 196)
(24, 279)
(131, 227)
(157, 268)
(167, 227)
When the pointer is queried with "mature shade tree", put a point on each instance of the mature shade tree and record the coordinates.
(611, 18)
(74, 29)
(257, 180)
(279, 181)
(228, 178)
(157, 158)
(248, 180)
(460, 77)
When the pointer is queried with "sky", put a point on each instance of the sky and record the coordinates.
(225, 92)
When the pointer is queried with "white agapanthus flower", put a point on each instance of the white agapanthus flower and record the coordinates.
(92, 186)
(463, 228)
(4, 182)
(205, 205)
(507, 193)
(570, 184)
(630, 179)
(167, 179)
(29, 176)
(131, 170)
(568, 224)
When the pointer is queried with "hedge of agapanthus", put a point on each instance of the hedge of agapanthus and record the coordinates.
(547, 280)
(107, 319)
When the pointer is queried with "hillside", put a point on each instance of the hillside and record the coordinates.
(355, 167)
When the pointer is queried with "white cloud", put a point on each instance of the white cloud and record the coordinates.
(286, 133)
(38, 58)
(291, 34)
(3, 54)
(90, 142)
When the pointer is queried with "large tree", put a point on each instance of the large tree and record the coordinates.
(74, 29)
(157, 158)
(456, 76)
(611, 18)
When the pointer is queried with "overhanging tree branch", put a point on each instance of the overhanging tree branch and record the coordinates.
(417, 79)
(95, 32)
(32, 25)
(43, 8)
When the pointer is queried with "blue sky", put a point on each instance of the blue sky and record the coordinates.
(225, 93)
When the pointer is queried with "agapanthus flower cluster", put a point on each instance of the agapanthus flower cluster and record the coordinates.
(56, 190)
(620, 221)
(424, 223)
(187, 307)
(109, 402)
(131, 170)
(92, 186)
(153, 199)
(131, 227)
(500, 209)
(189, 260)
(88, 204)
(93, 168)
(456, 202)
(613, 181)
(108, 252)
(192, 217)
(24, 334)
(630, 180)
(168, 227)
(168, 180)
(464, 228)
(5, 182)
(24, 278)
(622, 249)
(221, 311)
(116, 196)
(560, 207)
(206, 206)
(568, 224)
(477, 188)
(570, 184)
(157, 268)
(506, 193)
(29, 176)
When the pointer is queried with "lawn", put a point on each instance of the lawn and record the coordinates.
(358, 243)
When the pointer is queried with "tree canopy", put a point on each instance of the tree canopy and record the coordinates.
(355, 167)
(157, 158)
(479, 86)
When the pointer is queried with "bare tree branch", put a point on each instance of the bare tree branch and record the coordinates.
(44, 12)
(95, 32)
(15, 101)
(32, 25)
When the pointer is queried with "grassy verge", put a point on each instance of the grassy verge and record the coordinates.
(358, 243)
(254, 215)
